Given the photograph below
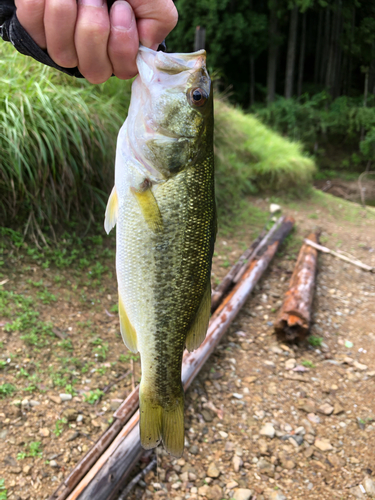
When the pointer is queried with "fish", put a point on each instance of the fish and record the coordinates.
(163, 203)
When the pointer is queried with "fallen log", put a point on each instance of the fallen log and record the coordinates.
(114, 462)
(293, 320)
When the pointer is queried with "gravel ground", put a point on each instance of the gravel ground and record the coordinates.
(264, 420)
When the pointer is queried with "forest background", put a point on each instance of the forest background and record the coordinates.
(301, 74)
(305, 67)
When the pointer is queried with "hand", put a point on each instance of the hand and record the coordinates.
(83, 34)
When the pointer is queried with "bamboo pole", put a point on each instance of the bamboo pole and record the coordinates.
(295, 314)
(355, 262)
(105, 477)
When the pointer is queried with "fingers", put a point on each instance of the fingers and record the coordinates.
(60, 42)
(123, 40)
(91, 38)
(30, 14)
(156, 20)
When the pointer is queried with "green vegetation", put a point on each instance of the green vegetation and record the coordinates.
(59, 426)
(57, 138)
(3, 490)
(6, 390)
(315, 341)
(34, 449)
(250, 157)
(308, 364)
(93, 396)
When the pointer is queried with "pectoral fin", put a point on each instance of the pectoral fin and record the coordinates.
(128, 332)
(150, 209)
(198, 330)
(111, 212)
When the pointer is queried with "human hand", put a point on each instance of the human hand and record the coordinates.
(82, 33)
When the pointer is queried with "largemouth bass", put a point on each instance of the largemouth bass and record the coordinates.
(164, 206)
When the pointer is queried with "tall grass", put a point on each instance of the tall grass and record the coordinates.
(57, 142)
(57, 138)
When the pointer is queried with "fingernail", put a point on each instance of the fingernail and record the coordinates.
(92, 3)
(121, 16)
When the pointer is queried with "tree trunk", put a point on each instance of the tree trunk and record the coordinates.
(324, 60)
(333, 70)
(272, 54)
(291, 55)
(302, 55)
(252, 80)
(319, 46)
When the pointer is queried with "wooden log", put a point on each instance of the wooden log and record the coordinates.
(293, 320)
(106, 476)
(228, 281)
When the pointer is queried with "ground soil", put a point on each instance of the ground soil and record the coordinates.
(247, 383)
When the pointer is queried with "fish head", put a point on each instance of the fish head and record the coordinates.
(171, 110)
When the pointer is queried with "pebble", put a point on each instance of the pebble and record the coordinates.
(313, 418)
(231, 485)
(290, 364)
(266, 467)
(194, 450)
(326, 409)
(337, 409)
(237, 396)
(26, 469)
(3, 433)
(242, 494)
(277, 495)
(53, 463)
(213, 470)
(70, 414)
(223, 434)
(32, 402)
(268, 430)
(237, 463)
(65, 397)
(369, 486)
(55, 399)
(360, 366)
(207, 416)
(323, 444)
(79, 418)
(44, 432)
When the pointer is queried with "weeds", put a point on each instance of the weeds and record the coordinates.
(6, 390)
(59, 426)
(3, 490)
(315, 341)
(34, 450)
(308, 364)
(93, 396)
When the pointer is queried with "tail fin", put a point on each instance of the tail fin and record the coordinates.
(158, 423)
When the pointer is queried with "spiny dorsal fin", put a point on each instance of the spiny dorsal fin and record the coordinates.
(111, 211)
(149, 207)
(129, 335)
(198, 330)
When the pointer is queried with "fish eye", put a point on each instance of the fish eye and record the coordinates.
(197, 96)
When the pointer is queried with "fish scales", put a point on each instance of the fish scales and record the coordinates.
(165, 244)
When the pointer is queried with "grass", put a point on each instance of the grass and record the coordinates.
(34, 449)
(250, 157)
(57, 137)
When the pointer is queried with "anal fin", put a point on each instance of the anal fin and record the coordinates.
(198, 330)
(111, 212)
(129, 335)
(149, 208)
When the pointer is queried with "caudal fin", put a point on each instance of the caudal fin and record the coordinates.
(160, 424)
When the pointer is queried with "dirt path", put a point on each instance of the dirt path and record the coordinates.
(280, 433)
(277, 432)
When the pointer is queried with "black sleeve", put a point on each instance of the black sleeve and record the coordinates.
(12, 31)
